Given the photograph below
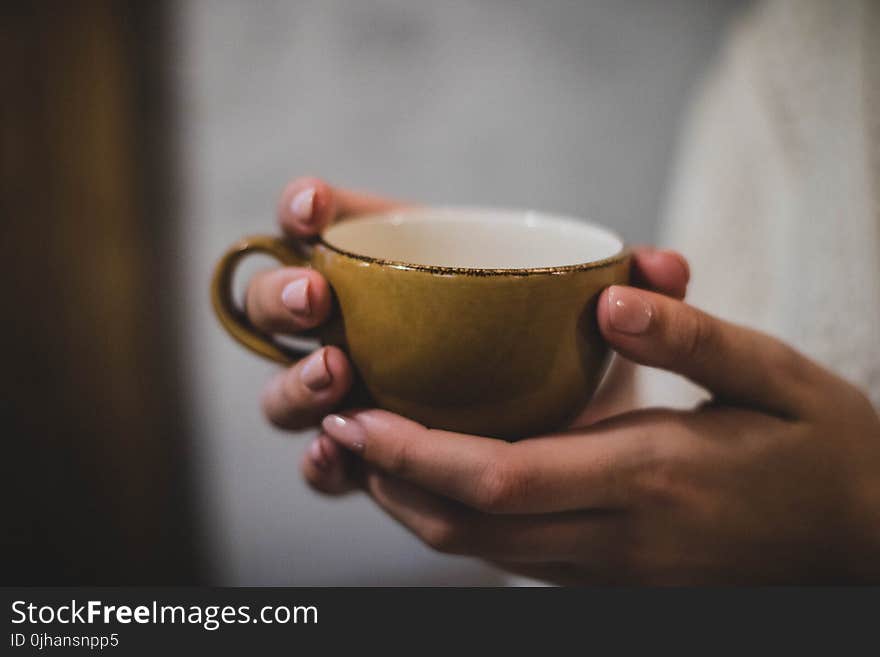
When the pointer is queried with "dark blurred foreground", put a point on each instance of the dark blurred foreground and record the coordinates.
(94, 431)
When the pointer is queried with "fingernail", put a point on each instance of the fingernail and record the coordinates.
(314, 373)
(302, 204)
(295, 296)
(345, 430)
(316, 454)
(628, 311)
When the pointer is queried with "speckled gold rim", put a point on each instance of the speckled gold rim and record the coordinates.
(482, 271)
(479, 271)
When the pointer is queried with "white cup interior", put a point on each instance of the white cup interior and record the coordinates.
(474, 238)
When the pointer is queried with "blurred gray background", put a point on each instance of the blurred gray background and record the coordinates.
(571, 107)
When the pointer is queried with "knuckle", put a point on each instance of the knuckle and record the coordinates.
(500, 487)
(695, 336)
(398, 459)
(656, 487)
(659, 480)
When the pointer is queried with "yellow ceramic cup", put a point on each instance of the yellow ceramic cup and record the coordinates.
(474, 320)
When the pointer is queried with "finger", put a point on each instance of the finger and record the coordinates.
(666, 272)
(554, 473)
(733, 362)
(287, 300)
(308, 205)
(452, 528)
(327, 468)
(299, 396)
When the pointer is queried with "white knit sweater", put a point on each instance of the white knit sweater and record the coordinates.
(777, 195)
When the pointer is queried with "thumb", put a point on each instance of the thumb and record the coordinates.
(733, 362)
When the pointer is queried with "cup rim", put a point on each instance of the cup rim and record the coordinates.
(622, 254)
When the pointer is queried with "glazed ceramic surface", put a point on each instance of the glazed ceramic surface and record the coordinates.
(479, 321)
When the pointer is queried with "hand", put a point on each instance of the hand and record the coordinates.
(287, 300)
(777, 480)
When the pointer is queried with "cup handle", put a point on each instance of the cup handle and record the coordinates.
(233, 318)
